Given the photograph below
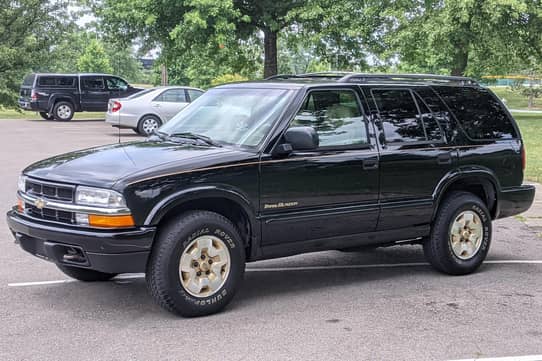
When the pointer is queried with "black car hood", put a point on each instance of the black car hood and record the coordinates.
(104, 166)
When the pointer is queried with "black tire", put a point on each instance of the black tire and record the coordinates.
(85, 275)
(162, 276)
(63, 111)
(145, 123)
(46, 116)
(438, 248)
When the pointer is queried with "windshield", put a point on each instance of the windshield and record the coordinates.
(238, 116)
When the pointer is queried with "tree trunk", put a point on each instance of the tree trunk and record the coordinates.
(270, 53)
(461, 60)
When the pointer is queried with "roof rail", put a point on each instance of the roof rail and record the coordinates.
(360, 77)
(317, 75)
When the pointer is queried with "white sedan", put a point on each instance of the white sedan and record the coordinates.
(149, 109)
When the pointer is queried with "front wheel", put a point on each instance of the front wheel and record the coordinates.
(196, 265)
(85, 275)
(460, 236)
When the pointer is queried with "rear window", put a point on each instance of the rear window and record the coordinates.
(57, 81)
(479, 113)
(29, 80)
(141, 93)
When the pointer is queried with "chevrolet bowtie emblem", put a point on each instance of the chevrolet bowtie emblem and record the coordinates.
(39, 203)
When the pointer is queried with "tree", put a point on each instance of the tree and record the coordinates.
(464, 37)
(94, 59)
(27, 30)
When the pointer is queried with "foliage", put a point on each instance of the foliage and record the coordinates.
(27, 29)
(227, 78)
(94, 59)
(530, 125)
(464, 37)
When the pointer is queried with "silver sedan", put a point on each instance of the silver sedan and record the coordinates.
(149, 109)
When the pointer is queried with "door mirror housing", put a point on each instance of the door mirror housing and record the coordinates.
(302, 138)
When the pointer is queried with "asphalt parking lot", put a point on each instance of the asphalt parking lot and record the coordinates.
(385, 304)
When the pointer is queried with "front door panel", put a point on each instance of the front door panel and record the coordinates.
(331, 191)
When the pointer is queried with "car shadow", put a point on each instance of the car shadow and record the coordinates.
(129, 297)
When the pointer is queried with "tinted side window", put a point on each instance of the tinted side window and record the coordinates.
(172, 96)
(479, 113)
(335, 115)
(116, 84)
(429, 120)
(57, 81)
(93, 83)
(47, 81)
(194, 94)
(399, 115)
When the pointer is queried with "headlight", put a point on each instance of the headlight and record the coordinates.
(99, 197)
(21, 184)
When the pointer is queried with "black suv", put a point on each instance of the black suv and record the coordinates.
(266, 169)
(58, 96)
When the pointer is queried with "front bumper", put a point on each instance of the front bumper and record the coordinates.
(111, 251)
(515, 200)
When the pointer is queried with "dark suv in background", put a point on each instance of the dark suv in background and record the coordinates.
(59, 96)
(295, 164)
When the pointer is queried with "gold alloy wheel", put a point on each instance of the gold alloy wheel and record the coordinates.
(204, 266)
(466, 235)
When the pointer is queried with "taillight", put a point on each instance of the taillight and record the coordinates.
(523, 157)
(34, 95)
(116, 107)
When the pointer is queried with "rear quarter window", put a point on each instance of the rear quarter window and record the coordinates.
(481, 115)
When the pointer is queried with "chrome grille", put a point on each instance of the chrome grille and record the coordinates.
(53, 191)
(49, 214)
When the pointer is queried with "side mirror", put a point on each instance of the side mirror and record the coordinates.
(302, 138)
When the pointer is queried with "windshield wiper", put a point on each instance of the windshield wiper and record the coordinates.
(159, 134)
(193, 136)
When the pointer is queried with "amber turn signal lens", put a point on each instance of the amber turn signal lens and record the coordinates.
(20, 205)
(95, 220)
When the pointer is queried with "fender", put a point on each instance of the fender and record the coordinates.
(56, 96)
(190, 194)
(463, 173)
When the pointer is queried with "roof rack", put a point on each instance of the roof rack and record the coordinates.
(317, 75)
(345, 77)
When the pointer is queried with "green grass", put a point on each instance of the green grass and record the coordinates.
(515, 100)
(15, 114)
(530, 126)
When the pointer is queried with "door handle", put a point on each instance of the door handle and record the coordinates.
(368, 164)
(156, 105)
(444, 158)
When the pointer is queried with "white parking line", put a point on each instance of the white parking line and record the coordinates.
(512, 358)
(286, 269)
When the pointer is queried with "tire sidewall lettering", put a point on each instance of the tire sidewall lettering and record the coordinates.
(222, 293)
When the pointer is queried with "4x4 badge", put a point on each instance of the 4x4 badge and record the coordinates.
(39, 203)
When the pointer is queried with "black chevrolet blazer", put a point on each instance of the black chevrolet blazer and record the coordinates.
(267, 169)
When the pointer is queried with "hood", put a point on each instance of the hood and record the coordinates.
(104, 166)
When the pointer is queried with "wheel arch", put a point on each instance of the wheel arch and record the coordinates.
(480, 182)
(55, 98)
(152, 114)
(225, 201)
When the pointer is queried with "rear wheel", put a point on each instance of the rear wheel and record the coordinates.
(63, 111)
(196, 264)
(85, 275)
(46, 116)
(460, 236)
(148, 124)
